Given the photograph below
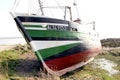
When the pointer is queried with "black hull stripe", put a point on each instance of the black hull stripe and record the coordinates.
(22, 30)
(68, 52)
(54, 39)
(41, 19)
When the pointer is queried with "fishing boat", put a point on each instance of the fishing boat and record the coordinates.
(60, 45)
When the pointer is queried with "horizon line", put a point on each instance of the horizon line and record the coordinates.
(10, 37)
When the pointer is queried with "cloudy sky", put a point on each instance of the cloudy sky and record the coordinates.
(106, 14)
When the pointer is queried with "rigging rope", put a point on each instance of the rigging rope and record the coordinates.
(64, 9)
(59, 5)
(50, 9)
(38, 11)
(15, 5)
(41, 7)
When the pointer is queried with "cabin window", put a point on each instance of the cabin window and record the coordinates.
(74, 29)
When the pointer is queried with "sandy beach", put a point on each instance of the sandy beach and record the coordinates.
(6, 47)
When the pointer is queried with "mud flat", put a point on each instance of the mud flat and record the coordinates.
(106, 65)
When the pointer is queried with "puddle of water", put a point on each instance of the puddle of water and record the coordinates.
(106, 65)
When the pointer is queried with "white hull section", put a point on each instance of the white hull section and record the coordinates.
(38, 45)
(43, 24)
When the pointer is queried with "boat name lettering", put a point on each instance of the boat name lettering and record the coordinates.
(58, 27)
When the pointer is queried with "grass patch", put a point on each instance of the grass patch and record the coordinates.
(8, 62)
(9, 54)
(9, 59)
(22, 49)
(113, 55)
(89, 73)
(9, 66)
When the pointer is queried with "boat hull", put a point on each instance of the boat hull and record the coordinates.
(59, 46)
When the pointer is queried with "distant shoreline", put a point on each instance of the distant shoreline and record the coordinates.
(11, 38)
(12, 41)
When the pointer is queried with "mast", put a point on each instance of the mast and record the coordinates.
(41, 7)
(93, 25)
(70, 12)
(69, 8)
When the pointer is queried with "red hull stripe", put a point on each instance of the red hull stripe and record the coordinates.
(68, 52)
(65, 62)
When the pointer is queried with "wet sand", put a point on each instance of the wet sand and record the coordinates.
(6, 47)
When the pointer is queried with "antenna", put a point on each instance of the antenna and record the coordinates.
(41, 6)
(75, 4)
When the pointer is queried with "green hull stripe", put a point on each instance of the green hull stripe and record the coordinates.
(53, 33)
(45, 53)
